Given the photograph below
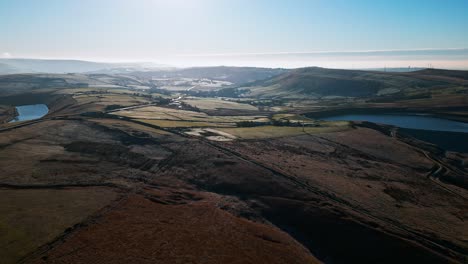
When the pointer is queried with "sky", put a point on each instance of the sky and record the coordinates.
(275, 33)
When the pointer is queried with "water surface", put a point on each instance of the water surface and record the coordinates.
(423, 122)
(30, 112)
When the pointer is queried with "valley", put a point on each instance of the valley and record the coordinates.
(244, 167)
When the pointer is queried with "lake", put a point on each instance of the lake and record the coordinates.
(423, 122)
(30, 112)
(447, 134)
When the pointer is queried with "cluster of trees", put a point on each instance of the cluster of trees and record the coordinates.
(159, 91)
(268, 103)
(186, 106)
(400, 96)
(249, 124)
(112, 107)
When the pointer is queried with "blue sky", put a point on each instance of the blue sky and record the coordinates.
(181, 30)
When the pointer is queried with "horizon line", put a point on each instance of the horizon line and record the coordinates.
(319, 52)
(153, 60)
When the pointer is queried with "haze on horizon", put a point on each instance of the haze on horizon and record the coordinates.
(334, 34)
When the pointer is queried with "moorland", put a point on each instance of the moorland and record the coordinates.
(232, 165)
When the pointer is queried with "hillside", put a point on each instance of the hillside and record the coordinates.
(237, 75)
(209, 78)
(321, 82)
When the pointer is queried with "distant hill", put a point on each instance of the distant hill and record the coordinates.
(142, 71)
(19, 83)
(9, 66)
(406, 69)
(320, 82)
(451, 76)
(237, 75)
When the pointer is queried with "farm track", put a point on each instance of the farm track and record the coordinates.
(438, 171)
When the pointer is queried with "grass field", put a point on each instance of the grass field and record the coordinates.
(111, 99)
(214, 103)
(175, 123)
(280, 131)
(80, 90)
(156, 112)
(130, 127)
(293, 118)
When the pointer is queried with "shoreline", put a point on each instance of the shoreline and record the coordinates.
(438, 113)
(10, 114)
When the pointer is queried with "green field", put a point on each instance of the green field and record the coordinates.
(214, 103)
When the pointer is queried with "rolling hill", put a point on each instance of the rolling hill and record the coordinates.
(237, 75)
(320, 82)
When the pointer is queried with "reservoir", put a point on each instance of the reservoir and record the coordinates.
(422, 122)
(30, 112)
(447, 134)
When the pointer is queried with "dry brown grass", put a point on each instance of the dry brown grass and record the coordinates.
(30, 218)
(141, 231)
(130, 127)
(279, 131)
